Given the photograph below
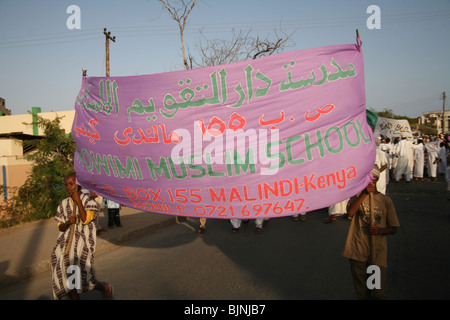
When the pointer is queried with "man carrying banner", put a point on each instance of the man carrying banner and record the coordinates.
(366, 244)
(72, 258)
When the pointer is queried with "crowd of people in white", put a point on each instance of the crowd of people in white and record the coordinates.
(406, 158)
(418, 158)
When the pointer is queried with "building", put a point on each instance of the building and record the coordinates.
(3, 110)
(15, 131)
(435, 118)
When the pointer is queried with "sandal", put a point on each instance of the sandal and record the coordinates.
(201, 230)
(108, 293)
(330, 220)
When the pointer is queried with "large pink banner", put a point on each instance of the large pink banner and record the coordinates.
(270, 137)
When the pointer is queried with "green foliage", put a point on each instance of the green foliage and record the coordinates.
(428, 129)
(389, 113)
(44, 189)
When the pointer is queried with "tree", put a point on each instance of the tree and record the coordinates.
(386, 113)
(389, 113)
(180, 14)
(44, 188)
(427, 129)
(242, 45)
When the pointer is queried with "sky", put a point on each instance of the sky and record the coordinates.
(406, 60)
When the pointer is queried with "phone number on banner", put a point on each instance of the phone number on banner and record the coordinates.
(254, 210)
(269, 209)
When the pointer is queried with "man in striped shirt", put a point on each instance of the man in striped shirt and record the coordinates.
(73, 255)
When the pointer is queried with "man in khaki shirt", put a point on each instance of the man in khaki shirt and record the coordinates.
(367, 244)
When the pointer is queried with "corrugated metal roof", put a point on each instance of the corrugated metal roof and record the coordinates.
(26, 139)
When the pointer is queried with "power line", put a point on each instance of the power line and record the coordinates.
(50, 38)
(48, 44)
(161, 30)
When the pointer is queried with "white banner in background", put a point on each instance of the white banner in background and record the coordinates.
(392, 128)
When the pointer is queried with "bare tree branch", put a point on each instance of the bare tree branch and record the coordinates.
(242, 46)
(180, 14)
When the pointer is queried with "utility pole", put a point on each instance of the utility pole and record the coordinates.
(443, 113)
(108, 37)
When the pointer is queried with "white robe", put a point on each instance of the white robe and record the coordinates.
(404, 152)
(442, 160)
(394, 157)
(338, 208)
(432, 150)
(381, 160)
(419, 161)
(236, 223)
(386, 147)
